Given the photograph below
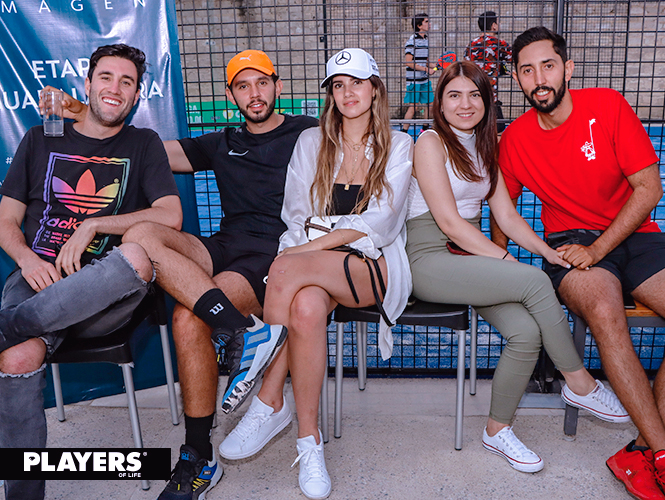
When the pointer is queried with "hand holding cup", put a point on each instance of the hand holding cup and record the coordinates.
(71, 108)
(54, 125)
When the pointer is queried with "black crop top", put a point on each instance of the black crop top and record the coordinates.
(344, 200)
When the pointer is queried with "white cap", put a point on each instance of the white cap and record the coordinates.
(352, 62)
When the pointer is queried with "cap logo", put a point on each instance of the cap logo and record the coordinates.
(342, 58)
(245, 58)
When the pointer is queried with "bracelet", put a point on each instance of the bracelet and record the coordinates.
(507, 252)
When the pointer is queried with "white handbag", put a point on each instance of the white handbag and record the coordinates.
(315, 226)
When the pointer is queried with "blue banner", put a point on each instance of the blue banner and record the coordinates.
(49, 42)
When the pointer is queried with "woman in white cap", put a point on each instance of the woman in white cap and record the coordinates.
(355, 167)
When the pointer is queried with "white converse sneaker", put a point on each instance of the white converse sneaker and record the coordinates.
(313, 477)
(600, 402)
(505, 444)
(256, 428)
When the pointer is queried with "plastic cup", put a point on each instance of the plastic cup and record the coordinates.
(54, 124)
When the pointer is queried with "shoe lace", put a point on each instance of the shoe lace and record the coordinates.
(312, 458)
(658, 473)
(183, 473)
(234, 350)
(608, 400)
(511, 440)
(250, 424)
(220, 340)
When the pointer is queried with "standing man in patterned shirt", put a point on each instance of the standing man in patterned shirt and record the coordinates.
(418, 68)
(490, 53)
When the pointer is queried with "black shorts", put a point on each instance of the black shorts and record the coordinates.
(243, 254)
(635, 260)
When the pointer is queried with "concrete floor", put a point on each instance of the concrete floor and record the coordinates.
(397, 443)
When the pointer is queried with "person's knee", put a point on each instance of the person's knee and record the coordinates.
(537, 279)
(307, 309)
(146, 234)
(602, 311)
(139, 260)
(138, 232)
(525, 338)
(23, 358)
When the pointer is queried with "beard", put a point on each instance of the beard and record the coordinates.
(108, 121)
(545, 107)
(262, 117)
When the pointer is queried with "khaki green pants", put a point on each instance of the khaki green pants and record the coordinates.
(517, 299)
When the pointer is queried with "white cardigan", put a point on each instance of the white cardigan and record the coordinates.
(383, 222)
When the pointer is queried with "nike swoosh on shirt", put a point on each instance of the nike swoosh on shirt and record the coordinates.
(233, 153)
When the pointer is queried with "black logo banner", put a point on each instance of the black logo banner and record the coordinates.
(86, 463)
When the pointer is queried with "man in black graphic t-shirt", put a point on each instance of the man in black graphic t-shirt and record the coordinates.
(75, 195)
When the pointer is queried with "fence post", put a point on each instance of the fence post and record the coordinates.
(558, 20)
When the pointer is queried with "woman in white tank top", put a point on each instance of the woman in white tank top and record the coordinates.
(455, 168)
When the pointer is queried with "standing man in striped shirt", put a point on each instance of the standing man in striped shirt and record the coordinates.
(418, 68)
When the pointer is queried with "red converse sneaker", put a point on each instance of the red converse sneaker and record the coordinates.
(636, 470)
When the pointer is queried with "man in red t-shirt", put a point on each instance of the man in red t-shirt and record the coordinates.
(587, 157)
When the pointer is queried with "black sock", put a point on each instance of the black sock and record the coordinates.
(197, 435)
(216, 310)
(633, 447)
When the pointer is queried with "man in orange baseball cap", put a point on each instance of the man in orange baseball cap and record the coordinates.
(219, 281)
(252, 84)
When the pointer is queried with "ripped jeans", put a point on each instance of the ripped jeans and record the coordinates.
(91, 302)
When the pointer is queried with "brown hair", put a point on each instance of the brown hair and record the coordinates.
(486, 134)
(331, 131)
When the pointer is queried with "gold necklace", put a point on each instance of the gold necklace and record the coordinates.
(354, 170)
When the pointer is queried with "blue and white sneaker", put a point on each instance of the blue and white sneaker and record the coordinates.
(192, 477)
(249, 352)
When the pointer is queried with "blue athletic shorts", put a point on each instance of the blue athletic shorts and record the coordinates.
(419, 93)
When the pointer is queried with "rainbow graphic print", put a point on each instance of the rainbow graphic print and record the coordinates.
(75, 188)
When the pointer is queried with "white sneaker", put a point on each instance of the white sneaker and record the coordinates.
(505, 444)
(600, 402)
(256, 428)
(313, 477)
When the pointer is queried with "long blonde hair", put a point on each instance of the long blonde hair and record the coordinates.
(331, 130)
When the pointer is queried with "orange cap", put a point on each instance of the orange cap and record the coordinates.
(252, 59)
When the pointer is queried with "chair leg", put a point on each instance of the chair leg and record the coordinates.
(57, 389)
(133, 412)
(474, 352)
(339, 374)
(361, 335)
(459, 413)
(168, 369)
(579, 337)
(324, 407)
